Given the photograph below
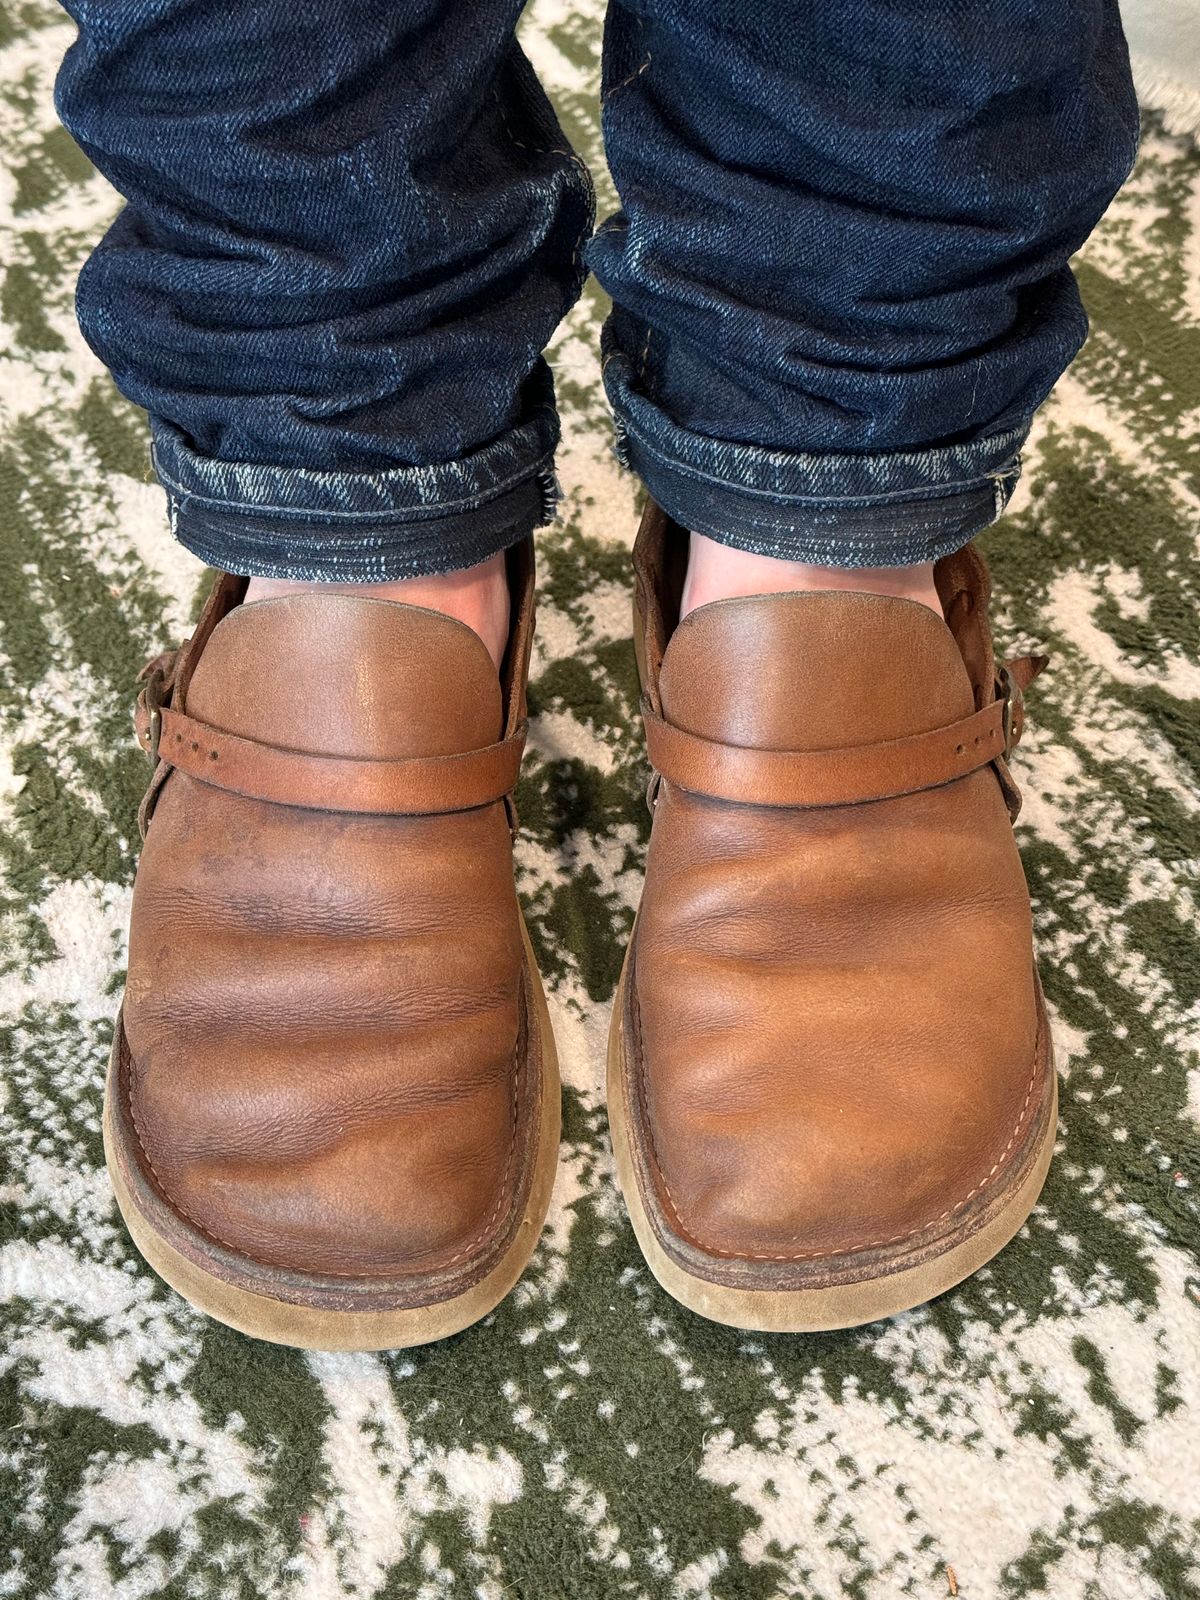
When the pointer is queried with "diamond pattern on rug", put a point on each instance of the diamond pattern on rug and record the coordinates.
(1033, 1433)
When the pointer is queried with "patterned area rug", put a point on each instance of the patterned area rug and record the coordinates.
(1034, 1433)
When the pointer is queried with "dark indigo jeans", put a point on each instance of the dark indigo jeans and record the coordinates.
(839, 270)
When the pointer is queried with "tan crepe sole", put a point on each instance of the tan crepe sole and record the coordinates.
(310, 1328)
(816, 1310)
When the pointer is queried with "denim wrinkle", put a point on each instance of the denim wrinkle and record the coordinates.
(350, 234)
(839, 272)
(840, 269)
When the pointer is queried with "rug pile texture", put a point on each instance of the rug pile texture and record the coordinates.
(1034, 1433)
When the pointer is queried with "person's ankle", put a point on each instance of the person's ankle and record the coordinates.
(719, 572)
(475, 595)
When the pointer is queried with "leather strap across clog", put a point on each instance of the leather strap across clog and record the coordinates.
(332, 1111)
(409, 786)
(848, 774)
(830, 1079)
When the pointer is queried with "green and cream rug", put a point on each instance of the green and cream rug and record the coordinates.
(1036, 1433)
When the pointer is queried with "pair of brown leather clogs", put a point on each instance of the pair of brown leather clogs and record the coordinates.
(332, 1116)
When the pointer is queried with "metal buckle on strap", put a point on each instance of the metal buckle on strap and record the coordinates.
(159, 678)
(1013, 716)
(157, 693)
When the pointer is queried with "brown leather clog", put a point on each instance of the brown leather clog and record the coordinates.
(830, 1078)
(332, 1115)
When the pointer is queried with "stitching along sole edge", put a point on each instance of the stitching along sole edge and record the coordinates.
(314, 1328)
(826, 1308)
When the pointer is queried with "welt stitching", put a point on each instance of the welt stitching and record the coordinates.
(182, 1211)
(512, 1149)
(812, 1255)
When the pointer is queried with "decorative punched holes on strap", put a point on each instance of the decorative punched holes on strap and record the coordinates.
(850, 775)
(404, 786)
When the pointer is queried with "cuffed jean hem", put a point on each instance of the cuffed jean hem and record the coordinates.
(359, 527)
(829, 509)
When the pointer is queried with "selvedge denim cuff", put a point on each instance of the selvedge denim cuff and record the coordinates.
(887, 509)
(359, 527)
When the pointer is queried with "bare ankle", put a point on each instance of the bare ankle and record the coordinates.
(719, 572)
(475, 595)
